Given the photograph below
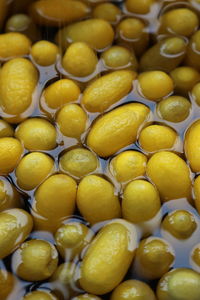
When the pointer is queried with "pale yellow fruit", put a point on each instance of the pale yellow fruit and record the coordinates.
(174, 21)
(96, 199)
(141, 201)
(197, 193)
(179, 284)
(79, 60)
(72, 120)
(91, 31)
(118, 57)
(157, 137)
(57, 12)
(78, 162)
(185, 78)
(40, 295)
(170, 174)
(192, 146)
(7, 284)
(6, 129)
(15, 98)
(107, 90)
(10, 153)
(117, 128)
(107, 11)
(48, 212)
(60, 92)
(128, 165)
(37, 134)
(133, 290)
(154, 85)
(139, 6)
(14, 44)
(35, 260)
(180, 223)
(9, 196)
(154, 257)
(44, 53)
(15, 226)
(72, 238)
(110, 254)
(33, 170)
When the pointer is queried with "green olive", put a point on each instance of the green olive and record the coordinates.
(154, 257)
(78, 162)
(9, 196)
(35, 260)
(180, 223)
(7, 284)
(133, 290)
(71, 238)
(15, 226)
(6, 129)
(40, 295)
(86, 297)
(179, 284)
(174, 109)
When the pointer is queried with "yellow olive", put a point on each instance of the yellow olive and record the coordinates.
(193, 55)
(40, 295)
(174, 21)
(107, 90)
(192, 146)
(49, 13)
(79, 60)
(170, 174)
(78, 162)
(7, 284)
(6, 129)
(141, 201)
(166, 55)
(35, 260)
(157, 137)
(33, 170)
(59, 93)
(106, 205)
(9, 196)
(133, 290)
(118, 57)
(117, 129)
(107, 11)
(10, 153)
(184, 78)
(154, 257)
(64, 280)
(179, 284)
(132, 32)
(91, 31)
(108, 257)
(195, 258)
(72, 120)
(196, 93)
(139, 6)
(44, 53)
(72, 238)
(155, 85)
(48, 213)
(22, 23)
(128, 165)
(15, 99)
(13, 44)
(180, 223)
(174, 109)
(37, 134)
(15, 226)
